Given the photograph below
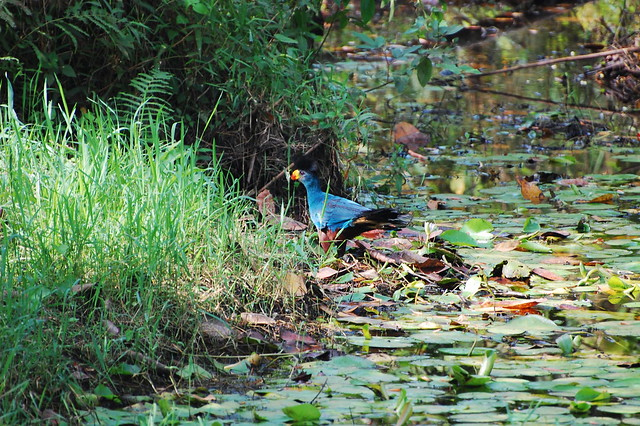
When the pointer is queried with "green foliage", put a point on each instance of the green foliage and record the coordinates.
(250, 61)
(302, 412)
(113, 241)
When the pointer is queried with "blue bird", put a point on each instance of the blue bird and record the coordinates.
(339, 219)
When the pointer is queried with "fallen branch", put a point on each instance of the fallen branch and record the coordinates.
(376, 254)
(557, 60)
(156, 365)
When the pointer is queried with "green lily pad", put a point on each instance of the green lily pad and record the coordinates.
(529, 324)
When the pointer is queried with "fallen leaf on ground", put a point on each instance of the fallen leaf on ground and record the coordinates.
(393, 243)
(373, 234)
(326, 272)
(112, 329)
(256, 319)
(216, 329)
(267, 208)
(265, 203)
(291, 337)
(295, 284)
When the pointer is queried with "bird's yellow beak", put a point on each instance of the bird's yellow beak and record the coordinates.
(295, 175)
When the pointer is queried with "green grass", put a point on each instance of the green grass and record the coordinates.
(158, 241)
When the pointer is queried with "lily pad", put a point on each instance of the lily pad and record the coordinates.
(529, 324)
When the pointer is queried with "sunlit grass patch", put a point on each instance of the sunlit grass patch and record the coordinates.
(114, 239)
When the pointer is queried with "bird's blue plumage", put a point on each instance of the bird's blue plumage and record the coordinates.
(338, 218)
(328, 211)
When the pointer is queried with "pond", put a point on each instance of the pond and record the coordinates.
(539, 323)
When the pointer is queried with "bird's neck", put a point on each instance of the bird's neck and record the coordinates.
(314, 191)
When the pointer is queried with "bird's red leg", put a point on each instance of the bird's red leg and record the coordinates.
(327, 237)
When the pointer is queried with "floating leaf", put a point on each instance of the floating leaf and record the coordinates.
(535, 247)
(529, 324)
(478, 229)
(563, 159)
(565, 343)
(459, 238)
(471, 286)
(604, 199)
(591, 395)
(530, 226)
(544, 273)
(302, 412)
(530, 191)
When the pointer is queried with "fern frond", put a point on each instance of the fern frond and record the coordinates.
(148, 96)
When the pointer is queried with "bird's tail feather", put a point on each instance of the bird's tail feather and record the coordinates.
(386, 218)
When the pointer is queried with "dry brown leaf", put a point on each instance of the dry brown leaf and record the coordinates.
(215, 329)
(431, 266)
(292, 337)
(111, 328)
(605, 199)
(374, 234)
(530, 191)
(508, 304)
(545, 273)
(256, 319)
(560, 260)
(265, 203)
(295, 284)
(408, 135)
(326, 272)
(394, 243)
(508, 245)
(267, 208)
(435, 204)
(369, 274)
(576, 182)
(289, 224)
(403, 129)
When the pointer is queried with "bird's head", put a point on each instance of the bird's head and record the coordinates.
(298, 174)
(304, 168)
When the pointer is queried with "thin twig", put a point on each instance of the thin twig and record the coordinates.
(320, 391)
(556, 61)
(279, 175)
(157, 365)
